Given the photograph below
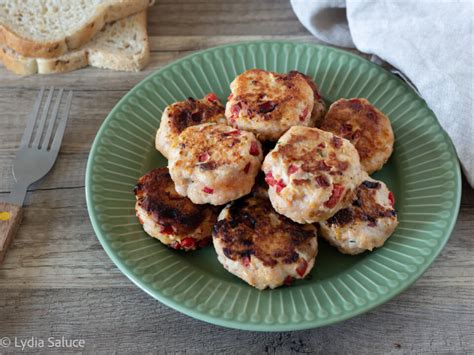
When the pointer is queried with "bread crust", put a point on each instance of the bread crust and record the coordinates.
(26, 66)
(107, 60)
(50, 49)
(80, 58)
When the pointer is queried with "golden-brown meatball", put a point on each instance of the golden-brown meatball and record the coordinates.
(214, 163)
(268, 103)
(262, 247)
(366, 223)
(169, 217)
(364, 126)
(311, 174)
(181, 115)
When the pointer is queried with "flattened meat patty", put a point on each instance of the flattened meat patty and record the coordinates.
(180, 115)
(366, 223)
(262, 247)
(364, 126)
(268, 103)
(311, 174)
(215, 163)
(169, 217)
(319, 108)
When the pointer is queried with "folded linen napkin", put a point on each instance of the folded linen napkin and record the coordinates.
(432, 42)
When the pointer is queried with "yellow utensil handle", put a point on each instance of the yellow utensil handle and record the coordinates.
(10, 219)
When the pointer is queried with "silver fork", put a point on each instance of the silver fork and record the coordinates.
(34, 159)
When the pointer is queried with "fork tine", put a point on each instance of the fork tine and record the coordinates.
(52, 121)
(58, 137)
(44, 114)
(25, 139)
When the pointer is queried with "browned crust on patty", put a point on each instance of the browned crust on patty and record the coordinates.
(363, 208)
(251, 94)
(156, 194)
(309, 80)
(318, 159)
(319, 108)
(221, 142)
(253, 228)
(367, 128)
(192, 112)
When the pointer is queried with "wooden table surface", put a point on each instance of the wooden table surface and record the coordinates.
(57, 280)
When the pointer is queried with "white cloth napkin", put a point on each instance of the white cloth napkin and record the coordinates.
(431, 42)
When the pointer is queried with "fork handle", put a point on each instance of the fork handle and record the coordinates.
(10, 219)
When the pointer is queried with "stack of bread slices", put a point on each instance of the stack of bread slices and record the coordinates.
(55, 36)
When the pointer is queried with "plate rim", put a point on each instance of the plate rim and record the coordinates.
(248, 326)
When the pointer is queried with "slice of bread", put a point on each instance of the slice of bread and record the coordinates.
(121, 45)
(50, 28)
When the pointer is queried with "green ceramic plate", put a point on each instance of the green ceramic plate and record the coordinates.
(423, 173)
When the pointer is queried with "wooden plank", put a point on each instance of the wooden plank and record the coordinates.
(228, 17)
(129, 321)
(56, 246)
(82, 127)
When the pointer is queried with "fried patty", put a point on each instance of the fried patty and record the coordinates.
(168, 216)
(364, 126)
(366, 223)
(311, 174)
(261, 246)
(268, 103)
(319, 108)
(215, 163)
(180, 115)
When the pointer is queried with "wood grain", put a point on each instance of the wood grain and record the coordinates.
(130, 321)
(57, 280)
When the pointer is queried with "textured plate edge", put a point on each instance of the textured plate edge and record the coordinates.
(248, 326)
